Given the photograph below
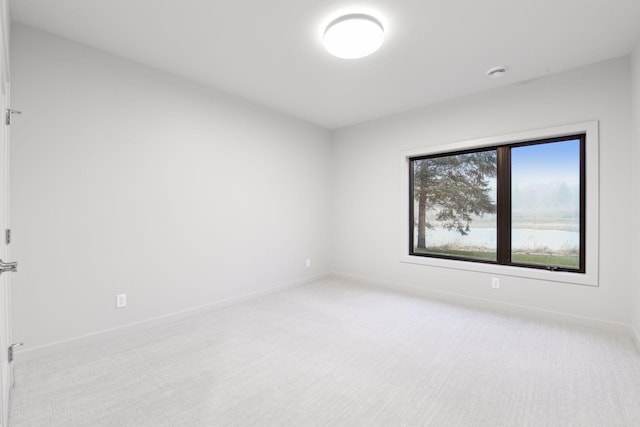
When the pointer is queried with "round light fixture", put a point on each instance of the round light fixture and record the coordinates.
(496, 72)
(353, 36)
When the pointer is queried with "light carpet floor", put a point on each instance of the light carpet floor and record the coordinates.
(336, 353)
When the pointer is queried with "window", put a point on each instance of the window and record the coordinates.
(516, 204)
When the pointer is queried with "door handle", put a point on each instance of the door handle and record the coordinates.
(8, 266)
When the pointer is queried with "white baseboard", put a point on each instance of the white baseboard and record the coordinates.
(636, 336)
(476, 302)
(33, 353)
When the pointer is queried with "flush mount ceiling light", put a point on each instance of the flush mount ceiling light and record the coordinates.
(496, 72)
(353, 36)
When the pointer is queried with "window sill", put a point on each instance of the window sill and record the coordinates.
(504, 270)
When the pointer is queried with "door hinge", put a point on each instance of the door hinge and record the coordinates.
(7, 236)
(8, 115)
(12, 347)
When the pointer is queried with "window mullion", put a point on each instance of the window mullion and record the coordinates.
(504, 206)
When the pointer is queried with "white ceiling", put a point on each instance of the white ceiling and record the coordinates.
(270, 51)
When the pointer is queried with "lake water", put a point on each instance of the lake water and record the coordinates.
(522, 239)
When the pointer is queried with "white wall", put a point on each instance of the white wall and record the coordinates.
(367, 189)
(181, 196)
(129, 180)
(635, 78)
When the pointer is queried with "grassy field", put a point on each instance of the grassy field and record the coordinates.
(483, 255)
(541, 259)
(570, 261)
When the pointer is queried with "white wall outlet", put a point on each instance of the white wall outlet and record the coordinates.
(121, 300)
(495, 283)
(308, 262)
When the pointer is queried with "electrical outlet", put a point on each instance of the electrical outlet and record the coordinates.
(308, 262)
(495, 283)
(121, 300)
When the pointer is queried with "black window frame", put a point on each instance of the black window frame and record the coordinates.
(503, 203)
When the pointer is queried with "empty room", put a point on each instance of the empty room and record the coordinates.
(320, 213)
